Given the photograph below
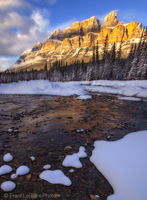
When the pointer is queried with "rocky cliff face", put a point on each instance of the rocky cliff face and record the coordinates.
(77, 42)
(110, 20)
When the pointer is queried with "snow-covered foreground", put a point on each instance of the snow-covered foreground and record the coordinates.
(124, 164)
(136, 88)
(51, 176)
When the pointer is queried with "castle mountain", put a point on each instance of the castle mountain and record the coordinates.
(86, 51)
(76, 43)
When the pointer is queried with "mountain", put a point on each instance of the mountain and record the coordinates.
(76, 43)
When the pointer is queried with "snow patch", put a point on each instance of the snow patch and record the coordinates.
(8, 186)
(74, 159)
(14, 176)
(129, 98)
(5, 169)
(10, 130)
(48, 166)
(124, 164)
(84, 97)
(137, 88)
(55, 177)
(32, 158)
(71, 170)
(42, 87)
(22, 170)
(8, 157)
(81, 130)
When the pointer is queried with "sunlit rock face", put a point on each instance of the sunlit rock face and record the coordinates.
(110, 20)
(76, 42)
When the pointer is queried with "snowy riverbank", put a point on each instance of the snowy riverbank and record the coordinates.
(125, 88)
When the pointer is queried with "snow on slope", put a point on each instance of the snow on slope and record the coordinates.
(124, 164)
(136, 88)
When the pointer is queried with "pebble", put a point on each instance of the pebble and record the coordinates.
(16, 131)
(71, 170)
(56, 196)
(14, 176)
(10, 130)
(94, 197)
(80, 130)
(28, 177)
(32, 158)
(68, 148)
(48, 166)
(108, 137)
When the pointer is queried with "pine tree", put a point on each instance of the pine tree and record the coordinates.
(105, 47)
(97, 53)
(128, 63)
(93, 56)
(118, 69)
(134, 64)
(113, 53)
(142, 64)
(45, 67)
(97, 67)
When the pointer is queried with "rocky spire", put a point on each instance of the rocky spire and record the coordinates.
(110, 20)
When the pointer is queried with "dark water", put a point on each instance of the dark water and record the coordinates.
(47, 124)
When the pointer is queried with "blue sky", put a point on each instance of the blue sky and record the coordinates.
(25, 22)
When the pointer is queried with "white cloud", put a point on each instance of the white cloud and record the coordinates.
(9, 4)
(4, 4)
(13, 19)
(6, 63)
(40, 22)
(20, 32)
(29, 30)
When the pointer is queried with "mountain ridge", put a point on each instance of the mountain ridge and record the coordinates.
(76, 43)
